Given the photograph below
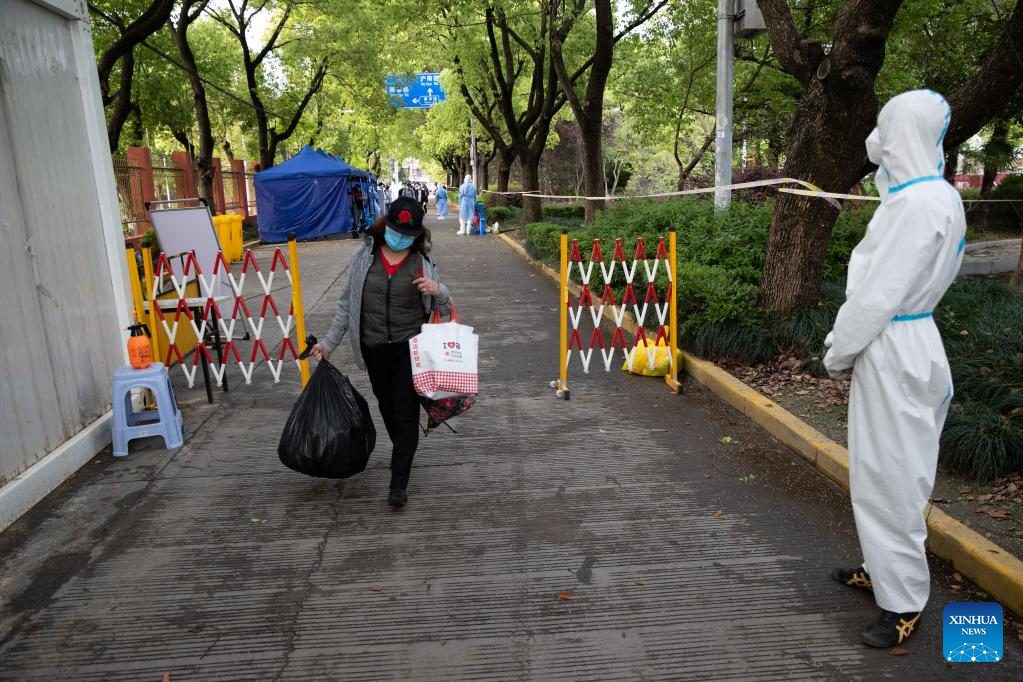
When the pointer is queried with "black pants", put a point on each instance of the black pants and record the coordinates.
(390, 373)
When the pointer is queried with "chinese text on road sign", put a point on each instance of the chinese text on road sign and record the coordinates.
(420, 91)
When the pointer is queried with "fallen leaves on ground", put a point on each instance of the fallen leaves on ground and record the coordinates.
(375, 588)
(785, 376)
(726, 439)
(718, 514)
(566, 596)
(991, 512)
(899, 651)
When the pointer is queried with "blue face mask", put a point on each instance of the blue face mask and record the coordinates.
(396, 240)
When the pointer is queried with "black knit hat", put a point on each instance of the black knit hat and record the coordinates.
(405, 215)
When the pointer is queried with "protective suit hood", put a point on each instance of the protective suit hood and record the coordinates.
(907, 142)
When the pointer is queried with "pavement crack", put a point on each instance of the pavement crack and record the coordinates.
(307, 587)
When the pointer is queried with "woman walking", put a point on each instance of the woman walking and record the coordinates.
(392, 289)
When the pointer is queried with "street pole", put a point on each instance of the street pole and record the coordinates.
(472, 148)
(725, 73)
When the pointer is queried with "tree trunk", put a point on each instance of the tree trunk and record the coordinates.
(951, 165)
(684, 173)
(138, 133)
(589, 110)
(834, 116)
(826, 148)
(505, 160)
(266, 154)
(800, 230)
(122, 102)
(531, 181)
(594, 182)
(204, 158)
(485, 173)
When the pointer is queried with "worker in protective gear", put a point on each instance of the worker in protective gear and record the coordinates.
(466, 205)
(442, 202)
(901, 383)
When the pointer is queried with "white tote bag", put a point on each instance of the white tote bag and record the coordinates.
(444, 359)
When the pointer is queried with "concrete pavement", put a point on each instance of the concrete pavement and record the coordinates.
(687, 558)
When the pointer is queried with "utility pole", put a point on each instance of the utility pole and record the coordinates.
(736, 19)
(725, 74)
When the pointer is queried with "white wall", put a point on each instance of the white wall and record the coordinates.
(63, 286)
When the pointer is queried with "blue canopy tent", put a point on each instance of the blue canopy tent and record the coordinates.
(308, 194)
(367, 181)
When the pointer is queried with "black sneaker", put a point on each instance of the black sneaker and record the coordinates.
(397, 498)
(853, 577)
(891, 629)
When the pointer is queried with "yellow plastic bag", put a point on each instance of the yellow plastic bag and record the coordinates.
(641, 360)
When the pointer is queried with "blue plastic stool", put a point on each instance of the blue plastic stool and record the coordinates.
(164, 421)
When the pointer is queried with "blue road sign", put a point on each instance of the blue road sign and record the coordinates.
(420, 91)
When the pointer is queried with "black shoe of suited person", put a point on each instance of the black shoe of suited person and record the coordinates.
(891, 629)
(853, 577)
(397, 498)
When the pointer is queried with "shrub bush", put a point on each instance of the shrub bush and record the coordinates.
(1007, 217)
(980, 322)
(562, 211)
(498, 213)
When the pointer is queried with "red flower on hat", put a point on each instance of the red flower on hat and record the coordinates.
(405, 217)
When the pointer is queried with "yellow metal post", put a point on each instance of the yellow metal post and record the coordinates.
(296, 300)
(672, 378)
(562, 387)
(138, 302)
(147, 269)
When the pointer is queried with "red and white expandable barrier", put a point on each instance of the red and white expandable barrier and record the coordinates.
(596, 293)
(212, 305)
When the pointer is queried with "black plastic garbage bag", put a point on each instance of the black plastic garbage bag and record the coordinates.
(330, 432)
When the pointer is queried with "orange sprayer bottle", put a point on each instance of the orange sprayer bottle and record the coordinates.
(140, 353)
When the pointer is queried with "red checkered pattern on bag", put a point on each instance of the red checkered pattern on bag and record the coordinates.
(463, 383)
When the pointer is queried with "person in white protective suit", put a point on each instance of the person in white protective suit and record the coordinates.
(466, 205)
(901, 383)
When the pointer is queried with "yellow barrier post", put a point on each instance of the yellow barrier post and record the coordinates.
(296, 300)
(672, 377)
(136, 288)
(562, 383)
(147, 268)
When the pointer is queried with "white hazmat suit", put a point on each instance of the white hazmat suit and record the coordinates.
(885, 331)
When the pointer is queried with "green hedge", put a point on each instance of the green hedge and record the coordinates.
(720, 263)
(562, 211)
(501, 213)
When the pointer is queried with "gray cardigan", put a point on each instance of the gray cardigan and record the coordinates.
(348, 317)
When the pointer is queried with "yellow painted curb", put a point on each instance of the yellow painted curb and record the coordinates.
(996, 570)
